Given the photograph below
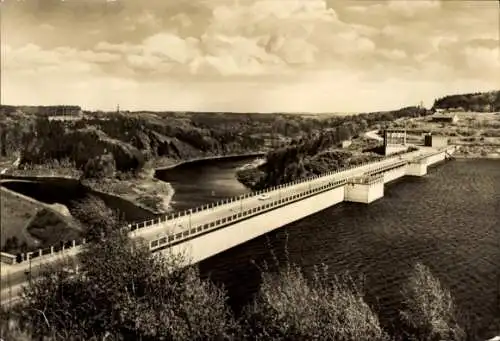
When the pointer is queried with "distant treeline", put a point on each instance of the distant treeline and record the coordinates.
(310, 154)
(480, 102)
(129, 140)
(39, 110)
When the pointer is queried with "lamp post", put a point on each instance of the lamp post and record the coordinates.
(28, 273)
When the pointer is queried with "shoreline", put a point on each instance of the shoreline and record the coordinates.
(58, 210)
(476, 157)
(160, 166)
(157, 194)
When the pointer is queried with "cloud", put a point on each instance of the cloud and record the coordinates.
(260, 47)
(411, 8)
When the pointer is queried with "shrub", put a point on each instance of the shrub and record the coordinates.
(103, 166)
(123, 291)
(290, 307)
(429, 312)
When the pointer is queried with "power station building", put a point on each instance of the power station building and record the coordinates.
(394, 141)
(435, 141)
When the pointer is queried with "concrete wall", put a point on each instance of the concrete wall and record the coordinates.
(394, 174)
(416, 168)
(435, 158)
(218, 241)
(364, 193)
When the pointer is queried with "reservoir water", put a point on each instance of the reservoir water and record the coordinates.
(200, 183)
(448, 220)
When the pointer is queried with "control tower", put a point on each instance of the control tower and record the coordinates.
(394, 141)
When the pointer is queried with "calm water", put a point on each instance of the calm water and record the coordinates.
(449, 220)
(201, 183)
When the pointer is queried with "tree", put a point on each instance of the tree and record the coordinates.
(429, 312)
(102, 166)
(122, 290)
(97, 218)
(290, 307)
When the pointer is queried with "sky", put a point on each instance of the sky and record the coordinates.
(247, 55)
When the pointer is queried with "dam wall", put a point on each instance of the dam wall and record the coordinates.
(416, 168)
(220, 240)
(364, 189)
(394, 174)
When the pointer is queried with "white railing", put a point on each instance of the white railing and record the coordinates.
(168, 240)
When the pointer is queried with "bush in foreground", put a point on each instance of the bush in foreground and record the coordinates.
(429, 312)
(123, 292)
(291, 307)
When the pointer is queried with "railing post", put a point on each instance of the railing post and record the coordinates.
(51, 250)
(40, 252)
(74, 243)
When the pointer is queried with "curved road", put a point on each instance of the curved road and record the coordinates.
(373, 134)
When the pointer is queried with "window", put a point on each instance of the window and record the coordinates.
(185, 233)
(154, 243)
(178, 235)
(206, 226)
(163, 240)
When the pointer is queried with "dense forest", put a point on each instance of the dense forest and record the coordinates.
(316, 153)
(124, 142)
(479, 102)
(128, 140)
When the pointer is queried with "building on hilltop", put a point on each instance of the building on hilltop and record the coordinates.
(444, 117)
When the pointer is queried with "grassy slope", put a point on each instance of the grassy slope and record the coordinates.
(15, 214)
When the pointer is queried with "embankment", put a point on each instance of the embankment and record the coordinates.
(22, 216)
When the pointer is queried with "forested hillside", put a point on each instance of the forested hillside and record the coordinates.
(130, 139)
(317, 153)
(479, 101)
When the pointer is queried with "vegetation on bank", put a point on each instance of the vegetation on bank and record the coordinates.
(476, 102)
(27, 225)
(112, 152)
(318, 153)
(122, 292)
(118, 290)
